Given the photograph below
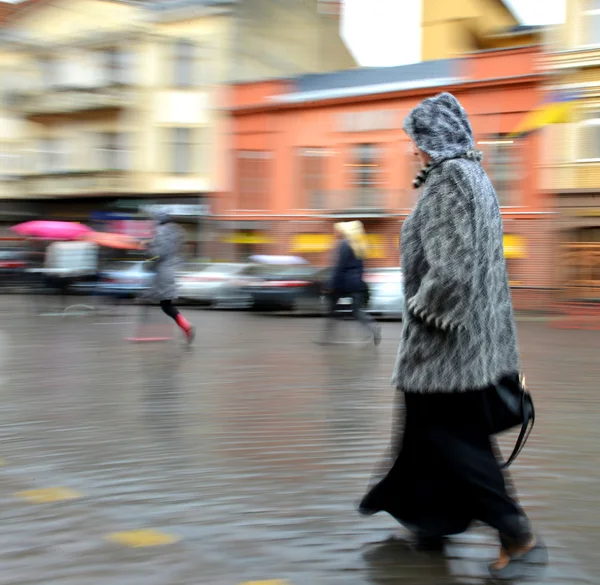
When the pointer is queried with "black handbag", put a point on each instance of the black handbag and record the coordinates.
(510, 405)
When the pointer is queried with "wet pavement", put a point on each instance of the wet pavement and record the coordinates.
(241, 460)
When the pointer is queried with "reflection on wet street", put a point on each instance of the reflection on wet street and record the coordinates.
(242, 459)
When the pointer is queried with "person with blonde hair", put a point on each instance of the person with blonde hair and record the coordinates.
(347, 279)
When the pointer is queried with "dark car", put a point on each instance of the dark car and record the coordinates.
(13, 266)
(287, 288)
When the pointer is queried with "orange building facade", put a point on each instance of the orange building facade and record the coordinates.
(308, 152)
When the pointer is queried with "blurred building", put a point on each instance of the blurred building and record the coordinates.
(452, 29)
(109, 107)
(572, 160)
(324, 148)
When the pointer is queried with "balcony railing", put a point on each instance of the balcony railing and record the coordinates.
(77, 183)
(71, 100)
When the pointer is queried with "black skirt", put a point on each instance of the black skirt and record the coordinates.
(445, 472)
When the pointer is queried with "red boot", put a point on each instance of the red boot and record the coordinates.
(187, 327)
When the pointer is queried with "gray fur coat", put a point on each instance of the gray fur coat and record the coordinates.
(166, 247)
(459, 331)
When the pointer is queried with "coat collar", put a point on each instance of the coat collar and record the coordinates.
(474, 155)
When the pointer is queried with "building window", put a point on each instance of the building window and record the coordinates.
(53, 155)
(11, 160)
(49, 72)
(592, 22)
(365, 171)
(253, 179)
(181, 151)
(589, 139)
(311, 179)
(117, 66)
(112, 152)
(503, 165)
(185, 63)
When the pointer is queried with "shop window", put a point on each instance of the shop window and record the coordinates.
(365, 173)
(581, 263)
(311, 178)
(253, 179)
(592, 22)
(185, 63)
(503, 163)
(589, 142)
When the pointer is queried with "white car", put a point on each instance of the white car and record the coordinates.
(207, 283)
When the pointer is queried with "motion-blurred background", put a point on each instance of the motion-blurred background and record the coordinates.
(257, 125)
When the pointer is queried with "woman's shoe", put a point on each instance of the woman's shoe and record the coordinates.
(190, 334)
(519, 564)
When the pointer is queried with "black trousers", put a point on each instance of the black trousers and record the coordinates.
(445, 472)
(357, 311)
(169, 308)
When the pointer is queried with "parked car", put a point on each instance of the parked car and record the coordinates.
(301, 288)
(291, 288)
(384, 295)
(386, 292)
(13, 265)
(124, 280)
(208, 283)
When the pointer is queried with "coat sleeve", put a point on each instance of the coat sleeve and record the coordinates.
(443, 298)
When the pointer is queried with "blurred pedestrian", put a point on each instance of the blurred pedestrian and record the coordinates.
(458, 342)
(347, 280)
(165, 252)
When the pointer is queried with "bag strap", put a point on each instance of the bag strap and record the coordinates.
(526, 427)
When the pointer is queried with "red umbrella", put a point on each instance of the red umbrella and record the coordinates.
(51, 230)
(118, 241)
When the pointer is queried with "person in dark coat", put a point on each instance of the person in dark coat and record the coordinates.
(458, 341)
(165, 252)
(347, 279)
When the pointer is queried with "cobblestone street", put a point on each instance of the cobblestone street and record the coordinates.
(242, 459)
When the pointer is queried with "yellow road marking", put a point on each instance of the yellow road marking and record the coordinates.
(47, 495)
(140, 538)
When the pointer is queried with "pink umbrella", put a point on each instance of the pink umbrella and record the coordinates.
(51, 230)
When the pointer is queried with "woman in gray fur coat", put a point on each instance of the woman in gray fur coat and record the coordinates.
(165, 252)
(458, 340)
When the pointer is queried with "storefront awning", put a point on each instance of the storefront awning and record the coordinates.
(514, 247)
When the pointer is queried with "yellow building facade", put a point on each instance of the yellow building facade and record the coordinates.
(451, 29)
(108, 99)
(571, 166)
